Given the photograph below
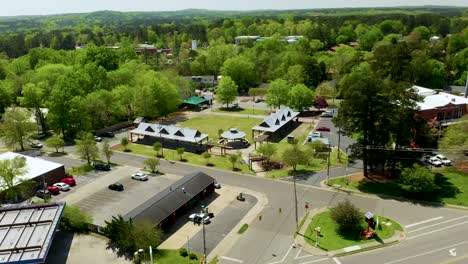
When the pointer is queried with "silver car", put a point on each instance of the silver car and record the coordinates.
(62, 186)
(140, 176)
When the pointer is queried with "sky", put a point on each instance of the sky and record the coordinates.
(42, 7)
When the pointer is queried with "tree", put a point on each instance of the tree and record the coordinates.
(320, 102)
(146, 235)
(295, 75)
(180, 152)
(294, 156)
(152, 164)
(157, 146)
(107, 151)
(257, 92)
(87, 148)
(277, 93)
(300, 97)
(206, 155)
(220, 132)
(124, 142)
(75, 220)
(348, 218)
(11, 171)
(121, 233)
(226, 91)
(267, 151)
(16, 128)
(454, 144)
(418, 179)
(233, 158)
(241, 70)
(55, 142)
(316, 147)
(34, 98)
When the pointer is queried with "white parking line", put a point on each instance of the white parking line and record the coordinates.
(232, 259)
(425, 253)
(313, 261)
(282, 260)
(425, 221)
(437, 230)
(301, 257)
(451, 220)
(336, 261)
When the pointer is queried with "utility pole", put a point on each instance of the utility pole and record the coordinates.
(295, 203)
(339, 140)
(204, 242)
(328, 162)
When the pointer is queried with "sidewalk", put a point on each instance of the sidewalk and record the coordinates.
(300, 241)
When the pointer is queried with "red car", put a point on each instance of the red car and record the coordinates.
(324, 129)
(69, 180)
(53, 189)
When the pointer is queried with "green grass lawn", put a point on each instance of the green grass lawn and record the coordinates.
(243, 111)
(211, 123)
(453, 187)
(171, 154)
(81, 170)
(331, 240)
(166, 256)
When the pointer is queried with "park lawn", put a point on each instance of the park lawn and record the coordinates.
(452, 182)
(243, 111)
(331, 240)
(167, 256)
(210, 124)
(171, 154)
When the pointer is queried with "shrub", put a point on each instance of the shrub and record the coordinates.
(348, 218)
(418, 179)
(193, 256)
(183, 252)
(75, 220)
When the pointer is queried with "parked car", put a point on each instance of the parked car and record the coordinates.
(327, 114)
(217, 185)
(97, 139)
(433, 161)
(444, 159)
(108, 134)
(69, 180)
(36, 144)
(44, 194)
(316, 134)
(324, 129)
(116, 187)
(235, 105)
(141, 176)
(102, 167)
(62, 186)
(53, 189)
(258, 100)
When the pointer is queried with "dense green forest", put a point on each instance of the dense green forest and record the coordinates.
(93, 87)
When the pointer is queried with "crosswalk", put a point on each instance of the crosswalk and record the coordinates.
(434, 225)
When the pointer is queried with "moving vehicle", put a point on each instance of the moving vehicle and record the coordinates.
(217, 185)
(433, 161)
(141, 176)
(198, 218)
(324, 129)
(36, 144)
(116, 187)
(327, 114)
(97, 139)
(62, 186)
(443, 159)
(108, 134)
(102, 167)
(53, 190)
(69, 180)
(44, 194)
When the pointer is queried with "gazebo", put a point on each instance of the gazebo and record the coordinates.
(233, 135)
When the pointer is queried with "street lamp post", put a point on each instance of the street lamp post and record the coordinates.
(204, 242)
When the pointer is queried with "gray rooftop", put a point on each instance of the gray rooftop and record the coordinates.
(169, 132)
(166, 202)
(233, 133)
(276, 120)
(27, 231)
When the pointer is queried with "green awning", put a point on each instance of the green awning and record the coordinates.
(194, 100)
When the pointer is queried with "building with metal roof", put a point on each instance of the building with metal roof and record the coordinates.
(195, 101)
(277, 122)
(164, 207)
(184, 134)
(27, 231)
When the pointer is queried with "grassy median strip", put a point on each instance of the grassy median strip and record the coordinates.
(301, 224)
(81, 170)
(243, 229)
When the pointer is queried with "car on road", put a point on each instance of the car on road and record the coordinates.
(53, 189)
(327, 114)
(62, 186)
(141, 176)
(316, 134)
(69, 180)
(235, 105)
(108, 134)
(217, 185)
(116, 187)
(44, 194)
(35, 144)
(102, 167)
(258, 100)
(323, 128)
(444, 159)
(97, 139)
(433, 161)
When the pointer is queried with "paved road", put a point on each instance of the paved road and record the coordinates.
(272, 236)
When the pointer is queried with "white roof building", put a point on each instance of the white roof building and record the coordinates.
(433, 99)
(170, 132)
(276, 120)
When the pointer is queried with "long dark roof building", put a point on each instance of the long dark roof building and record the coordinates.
(169, 200)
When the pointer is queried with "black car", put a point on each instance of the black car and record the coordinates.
(116, 187)
(44, 194)
(102, 167)
(108, 134)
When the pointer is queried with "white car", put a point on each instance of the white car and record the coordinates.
(217, 185)
(434, 161)
(62, 186)
(199, 218)
(443, 159)
(316, 134)
(327, 114)
(141, 176)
